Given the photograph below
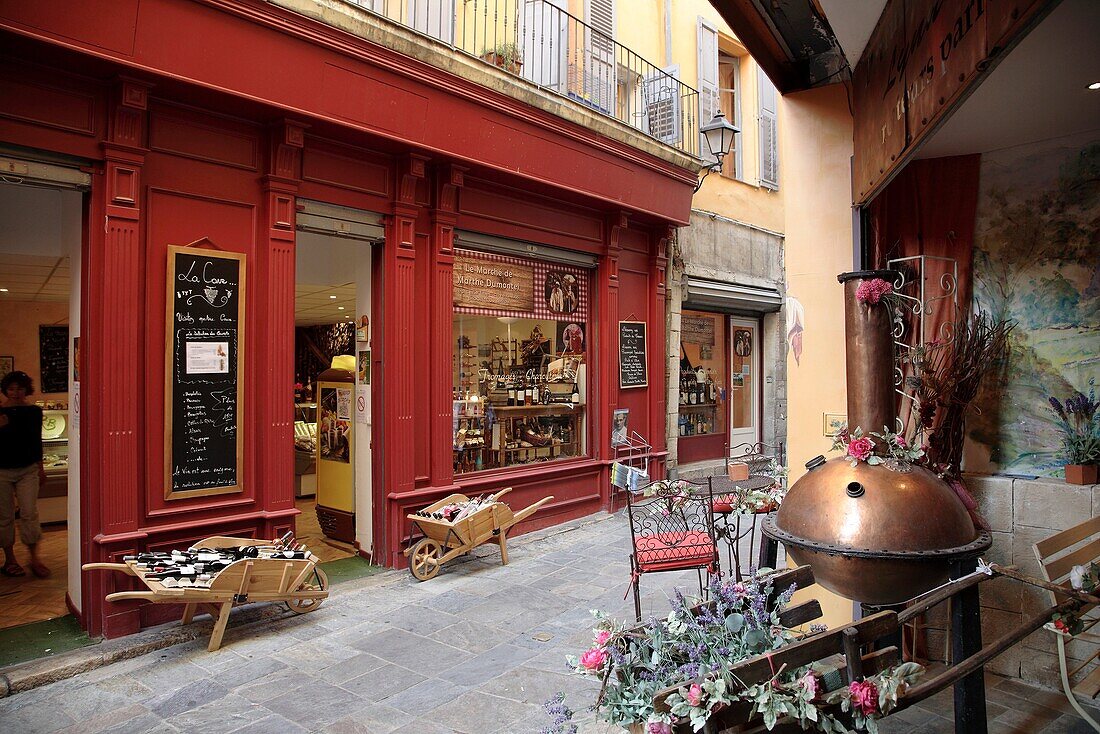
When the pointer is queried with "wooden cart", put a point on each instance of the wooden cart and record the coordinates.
(445, 540)
(300, 584)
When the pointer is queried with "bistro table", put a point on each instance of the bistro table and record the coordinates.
(733, 526)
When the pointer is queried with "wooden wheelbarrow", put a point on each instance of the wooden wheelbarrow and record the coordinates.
(300, 584)
(444, 540)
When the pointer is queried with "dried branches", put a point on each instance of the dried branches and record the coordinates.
(946, 378)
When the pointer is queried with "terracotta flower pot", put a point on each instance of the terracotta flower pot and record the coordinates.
(1081, 473)
(737, 471)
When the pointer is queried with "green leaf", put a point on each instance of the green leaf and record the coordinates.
(735, 622)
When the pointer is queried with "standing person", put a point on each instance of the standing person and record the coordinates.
(21, 472)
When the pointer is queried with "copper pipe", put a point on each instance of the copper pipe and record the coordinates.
(869, 356)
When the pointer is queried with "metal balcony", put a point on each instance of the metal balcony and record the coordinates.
(538, 40)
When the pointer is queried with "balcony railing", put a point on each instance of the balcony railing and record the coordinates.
(539, 41)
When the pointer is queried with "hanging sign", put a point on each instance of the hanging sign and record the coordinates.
(632, 355)
(205, 336)
(53, 356)
(697, 330)
(482, 281)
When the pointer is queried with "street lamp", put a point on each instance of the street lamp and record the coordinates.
(719, 134)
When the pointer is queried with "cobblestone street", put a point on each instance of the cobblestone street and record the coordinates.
(475, 650)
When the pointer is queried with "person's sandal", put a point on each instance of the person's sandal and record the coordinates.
(40, 570)
(12, 569)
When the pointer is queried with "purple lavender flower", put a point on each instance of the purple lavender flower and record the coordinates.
(1057, 406)
(560, 716)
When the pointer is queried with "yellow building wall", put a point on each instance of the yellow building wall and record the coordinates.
(815, 145)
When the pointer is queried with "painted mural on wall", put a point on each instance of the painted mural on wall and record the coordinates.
(1036, 258)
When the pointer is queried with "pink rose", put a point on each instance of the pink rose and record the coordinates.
(864, 696)
(658, 727)
(861, 448)
(593, 659)
(902, 442)
(810, 685)
(739, 589)
(694, 695)
(602, 637)
(872, 291)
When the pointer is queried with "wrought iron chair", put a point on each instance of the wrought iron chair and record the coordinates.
(737, 520)
(671, 529)
(1057, 556)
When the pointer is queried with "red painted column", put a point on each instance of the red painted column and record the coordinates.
(607, 395)
(658, 358)
(400, 370)
(448, 181)
(113, 320)
(275, 349)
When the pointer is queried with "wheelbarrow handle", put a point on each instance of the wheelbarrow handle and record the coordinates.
(120, 567)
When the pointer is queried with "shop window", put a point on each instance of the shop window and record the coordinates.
(520, 365)
(703, 374)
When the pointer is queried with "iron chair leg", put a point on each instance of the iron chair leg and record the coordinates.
(634, 578)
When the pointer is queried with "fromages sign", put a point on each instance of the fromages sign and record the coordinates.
(203, 441)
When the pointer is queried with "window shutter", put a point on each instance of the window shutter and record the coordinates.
(599, 74)
(436, 18)
(769, 130)
(661, 96)
(708, 82)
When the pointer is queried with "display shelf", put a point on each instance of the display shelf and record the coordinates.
(696, 406)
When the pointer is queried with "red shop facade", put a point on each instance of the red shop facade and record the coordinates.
(218, 145)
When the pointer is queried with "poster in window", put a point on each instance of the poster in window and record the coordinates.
(619, 427)
(335, 424)
(570, 337)
(742, 342)
(561, 292)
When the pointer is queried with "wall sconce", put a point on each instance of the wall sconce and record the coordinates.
(719, 134)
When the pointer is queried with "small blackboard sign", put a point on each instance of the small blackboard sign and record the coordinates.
(632, 356)
(203, 442)
(53, 358)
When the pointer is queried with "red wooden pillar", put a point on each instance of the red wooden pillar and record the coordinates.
(113, 320)
(658, 358)
(274, 350)
(607, 395)
(448, 181)
(399, 282)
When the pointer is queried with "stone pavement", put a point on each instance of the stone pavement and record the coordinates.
(475, 650)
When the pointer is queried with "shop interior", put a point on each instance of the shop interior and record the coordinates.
(39, 277)
(519, 383)
(331, 450)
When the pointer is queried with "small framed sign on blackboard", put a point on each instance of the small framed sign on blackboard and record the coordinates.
(632, 355)
(204, 368)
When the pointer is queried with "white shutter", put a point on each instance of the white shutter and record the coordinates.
(769, 130)
(661, 97)
(599, 72)
(708, 82)
(433, 17)
(542, 38)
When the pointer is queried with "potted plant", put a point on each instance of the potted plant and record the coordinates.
(505, 55)
(1079, 422)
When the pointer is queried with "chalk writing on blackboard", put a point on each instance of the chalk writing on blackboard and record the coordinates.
(632, 355)
(53, 357)
(205, 311)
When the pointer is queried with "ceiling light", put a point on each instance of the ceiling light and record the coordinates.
(333, 297)
(339, 308)
(1094, 86)
(3, 290)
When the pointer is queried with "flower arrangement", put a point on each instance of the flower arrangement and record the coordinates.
(1081, 578)
(874, 290)
(506, 56)
(694, 647)
(1079, 422)
(897, 453)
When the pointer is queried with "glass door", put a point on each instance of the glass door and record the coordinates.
(744, 381)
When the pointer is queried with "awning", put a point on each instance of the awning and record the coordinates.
(713, 294)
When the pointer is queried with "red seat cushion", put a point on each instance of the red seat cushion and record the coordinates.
(667, 551)
(723, 504)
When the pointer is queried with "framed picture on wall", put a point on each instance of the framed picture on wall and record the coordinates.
(619, 421)
(7, 364)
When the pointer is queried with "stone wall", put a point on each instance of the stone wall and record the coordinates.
(1022, 512)
(721, 249)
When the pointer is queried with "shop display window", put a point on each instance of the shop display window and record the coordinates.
(703, 374)
(520, 362)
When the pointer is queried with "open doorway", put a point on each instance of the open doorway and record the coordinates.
(42, 207)
(332, 327)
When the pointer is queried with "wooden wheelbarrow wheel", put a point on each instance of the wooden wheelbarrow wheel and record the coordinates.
(318, 581)
(424, 559)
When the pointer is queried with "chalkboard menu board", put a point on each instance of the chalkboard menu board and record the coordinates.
(203, 442)
(632, 359)
(53, 358)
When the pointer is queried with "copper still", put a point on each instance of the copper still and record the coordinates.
(874, 534)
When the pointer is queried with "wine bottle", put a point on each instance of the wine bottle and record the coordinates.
(576, 395)
(511, 393)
